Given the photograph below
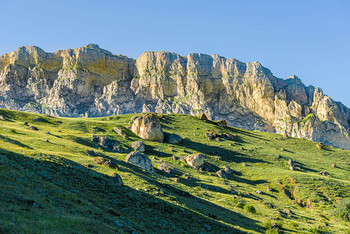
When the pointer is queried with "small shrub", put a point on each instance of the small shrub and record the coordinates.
(343, 209)
(250, 209)
(11, 130)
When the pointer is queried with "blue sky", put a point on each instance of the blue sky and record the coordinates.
(310, 39)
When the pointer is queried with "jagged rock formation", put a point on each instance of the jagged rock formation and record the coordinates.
(90, 81)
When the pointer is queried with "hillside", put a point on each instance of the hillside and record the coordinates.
(50, 182)
(90, 81)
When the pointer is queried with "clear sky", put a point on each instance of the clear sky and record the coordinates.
(308, 38)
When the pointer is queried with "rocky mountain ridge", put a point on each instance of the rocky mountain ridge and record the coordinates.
(90, 81)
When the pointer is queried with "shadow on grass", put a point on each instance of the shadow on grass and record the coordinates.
(225, 154)
(71, 186)
(199, 205)
(12, 141)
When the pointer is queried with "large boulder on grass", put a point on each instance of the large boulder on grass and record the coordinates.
(140, 160)
(195, 160)
(148, 127)
(107, 143)
(173, 139)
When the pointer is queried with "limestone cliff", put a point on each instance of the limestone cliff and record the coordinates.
(90, 81)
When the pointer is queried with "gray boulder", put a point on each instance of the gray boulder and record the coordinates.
(138, 146)
(166, 168)
(195, 160)
(107, 143)
(173, 139)
(117, 180)
(148, 127)
(221, 174)
(140, 160)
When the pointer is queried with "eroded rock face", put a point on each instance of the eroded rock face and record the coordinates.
(90, 81)
(148, 127)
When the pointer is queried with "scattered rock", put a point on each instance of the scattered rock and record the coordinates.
(2, 117)
(177, 180)
(133, 118)
(244, 164)
(138, 146)
(269, 204)
(218, 139)
(333, 165)
(120, 132)
(182, 159)
(166, 168)
(222, 123)
(48, 133)
(320, 146)
(194, 160)
(47, 140)
(207, 167)
(217, 157)
(148, 127)
(97, 129)
(25, 123)
(108, 118)
(116, 179)
(38, 119)
(110, 164)
(98, 160)
(221, 174)
(107, 143)
(175, 157)
(228, 170)
(88, 165)
(228, 136)
(202, 116)
(91, 153)
(283, 149)
(140, 160)
(258, 191)
(324, 173)
(173, 139)
(33, 128)
(291, 164)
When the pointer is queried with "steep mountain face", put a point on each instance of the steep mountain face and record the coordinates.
(90, 81)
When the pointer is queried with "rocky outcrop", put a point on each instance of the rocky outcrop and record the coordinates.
(90, 81)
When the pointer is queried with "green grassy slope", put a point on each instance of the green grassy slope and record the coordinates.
(45, 187)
